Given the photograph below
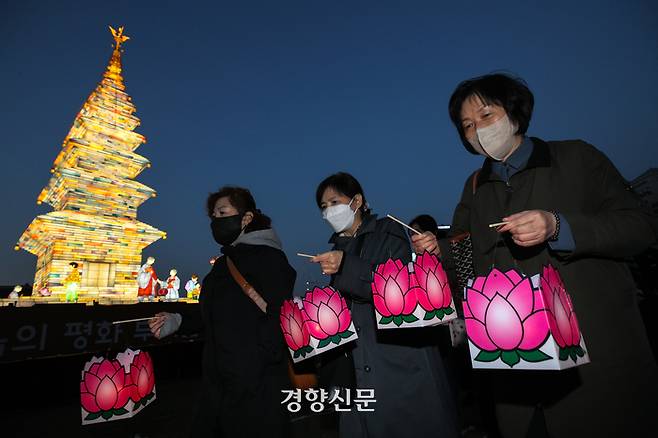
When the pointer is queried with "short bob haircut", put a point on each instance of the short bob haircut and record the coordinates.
(345, 184)
(512, 93)
(243, 201)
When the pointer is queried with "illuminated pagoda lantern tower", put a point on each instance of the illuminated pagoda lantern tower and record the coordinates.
(95, 197)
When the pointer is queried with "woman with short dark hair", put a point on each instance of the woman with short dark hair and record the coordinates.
(245, 361)
(562, 203)
(402, 366)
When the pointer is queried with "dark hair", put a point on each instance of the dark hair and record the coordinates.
(74, 264)
(425, 222)
(243, 201)
(345, 184)
(512, 93)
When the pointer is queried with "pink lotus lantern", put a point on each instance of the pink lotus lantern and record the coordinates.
(141, 370)
(508, 322)
(295, 330)
(105, 390)
(414, 295)
(317, 323)
(561, 316)
(433, 290)
(116, 389)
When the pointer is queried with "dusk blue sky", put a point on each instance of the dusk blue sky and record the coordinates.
(276, 95)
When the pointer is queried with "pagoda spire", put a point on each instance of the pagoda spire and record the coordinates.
(119, 37)
(113, 70)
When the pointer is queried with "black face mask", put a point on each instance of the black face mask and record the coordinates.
(226, 229)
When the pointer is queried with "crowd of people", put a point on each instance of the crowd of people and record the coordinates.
(557, 202)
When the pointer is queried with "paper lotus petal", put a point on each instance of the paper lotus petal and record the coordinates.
(104, 387)
(433, 289)
(325, 312)
(502, 314)
(562, 318)
(394, 292)
(141, 372)
(295, 330)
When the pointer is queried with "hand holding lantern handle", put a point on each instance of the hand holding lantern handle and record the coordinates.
(329, 261)
(530, 228)
(425, 242)
(164, 324)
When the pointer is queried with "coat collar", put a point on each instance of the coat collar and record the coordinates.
(540, 157)
(367, 226)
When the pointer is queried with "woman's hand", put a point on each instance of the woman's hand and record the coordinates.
(329, 261)
(529, 228)
(425, 242)
(164, 324)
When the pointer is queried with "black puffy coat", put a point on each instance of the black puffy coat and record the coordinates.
(245, 360)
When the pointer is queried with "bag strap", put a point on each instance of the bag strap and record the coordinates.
(475, 180)
(247, 288)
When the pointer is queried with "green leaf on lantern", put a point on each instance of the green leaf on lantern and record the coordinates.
(533, 355)
(573, 355)
(120, 411)
(346, 334)
(564, 354)
(309, 349)
(106, 415)
(448, 310)
(579, 351)
(429, 315)
(323, 343)
(511, 358)
(297, 353)
(386, 320)
(409, 318)
(93, 416)
(440, 313)
(487, 356)
(397, 320)
(336, 339)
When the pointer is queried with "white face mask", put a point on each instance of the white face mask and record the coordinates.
(495, 140)
(340, 217)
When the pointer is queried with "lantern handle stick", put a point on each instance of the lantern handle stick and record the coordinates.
(497, 224)
(131, 320)
(403, 224)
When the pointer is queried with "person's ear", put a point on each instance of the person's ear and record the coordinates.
(358, 201)
(246, 219)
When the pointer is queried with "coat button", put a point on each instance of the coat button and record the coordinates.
(366, 369)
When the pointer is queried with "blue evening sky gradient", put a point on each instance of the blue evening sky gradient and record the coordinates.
(277, 95)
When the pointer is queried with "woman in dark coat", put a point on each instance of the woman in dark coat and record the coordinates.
(413, 397)
(565, 204)
(245, 364)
